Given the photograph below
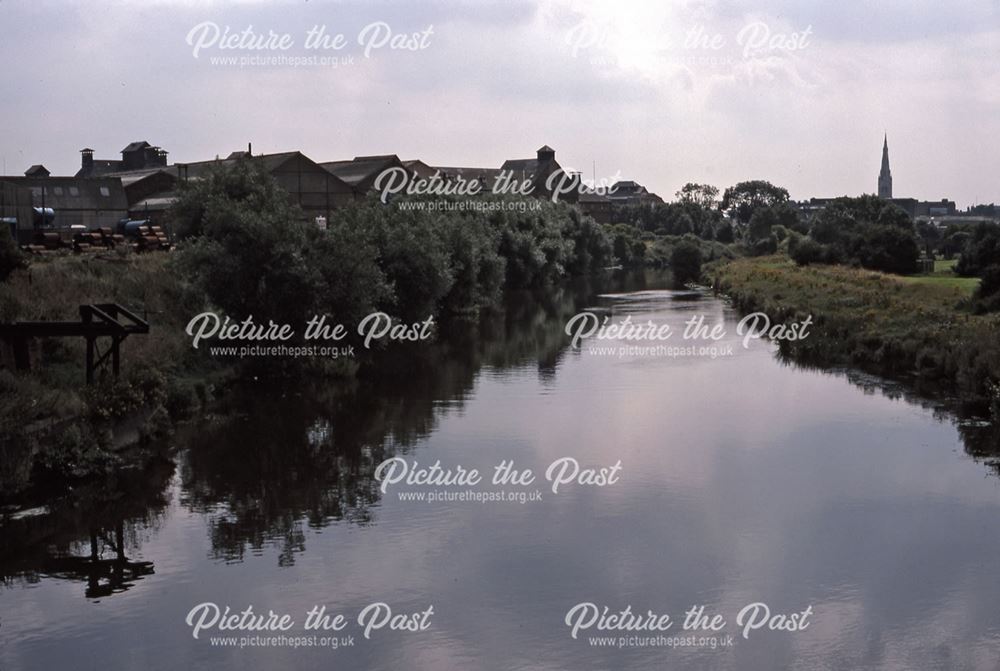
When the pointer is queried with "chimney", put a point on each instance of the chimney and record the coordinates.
(249, 149)
(87, 155)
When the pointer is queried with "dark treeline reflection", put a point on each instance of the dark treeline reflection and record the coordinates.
(980, 438)
(278, 460)
(275, 460)
(89, 535)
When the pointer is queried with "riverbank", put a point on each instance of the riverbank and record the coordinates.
(924, 332)
(56, 429)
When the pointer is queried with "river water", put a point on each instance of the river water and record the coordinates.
(743, 480)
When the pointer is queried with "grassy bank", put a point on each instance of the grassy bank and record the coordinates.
(915, 327)
(53, 426)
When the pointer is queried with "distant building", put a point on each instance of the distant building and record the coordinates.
(37, 170)
(71, 201)
(628, 193)
(362, 171)
(150, 185)
(597, 205)
(885, 175)
(485, 177)
(913, 207)
(136, 156)
(17, 211)
(419, 169)
(310, 186)
(535, 170)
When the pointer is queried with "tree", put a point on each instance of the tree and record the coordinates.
(685, 262)
(743, 199)
(867, 231)
(702, 195)
(981, 250)
(987, 295)
(724, 233)
(246, 244)
(761, 223)
(929, 236)
(888, 248)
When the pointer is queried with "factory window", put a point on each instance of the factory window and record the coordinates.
(104, 191)
(57, 190)
(73, 191)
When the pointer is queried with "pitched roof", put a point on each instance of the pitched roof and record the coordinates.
(360, 168)
(99, 167)
(525, 165)
(133, 146)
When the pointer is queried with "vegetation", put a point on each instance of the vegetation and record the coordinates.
(865, 231)
(685, 262)
(51, 426)
(245, 250)
(743, 200)
(876, 321)
(10, 256)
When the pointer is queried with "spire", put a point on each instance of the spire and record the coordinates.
(885, 175)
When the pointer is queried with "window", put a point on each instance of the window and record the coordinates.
(57, 190)
(73, 191)
(104, 191)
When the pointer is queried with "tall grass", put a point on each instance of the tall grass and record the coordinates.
(875, 321)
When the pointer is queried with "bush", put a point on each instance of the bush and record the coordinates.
(764, 246)
(806, 251)
(888, 248)
(987, 296)
(725, 233)
(685, 262)
(980, 250)
(866, 231)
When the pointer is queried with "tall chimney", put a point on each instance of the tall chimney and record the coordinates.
(87, 156)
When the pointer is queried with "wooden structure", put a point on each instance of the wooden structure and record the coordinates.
(103, 320)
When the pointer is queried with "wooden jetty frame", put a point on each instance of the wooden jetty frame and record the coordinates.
(96, 321)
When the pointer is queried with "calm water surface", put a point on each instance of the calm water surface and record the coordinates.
(743, 479)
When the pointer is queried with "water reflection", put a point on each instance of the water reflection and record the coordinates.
(90, 536)
(279, 460)
(276, 463)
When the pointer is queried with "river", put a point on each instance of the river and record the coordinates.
(743, 480)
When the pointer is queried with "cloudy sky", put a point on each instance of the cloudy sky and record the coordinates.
(796, 92)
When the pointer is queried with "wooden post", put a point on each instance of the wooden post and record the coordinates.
(85, 318)
(115, 359)
(90, 360)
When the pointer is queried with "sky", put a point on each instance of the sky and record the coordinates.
(795, 92)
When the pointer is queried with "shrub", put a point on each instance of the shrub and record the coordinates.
(685, 262)
(987, 296)
(805, 251)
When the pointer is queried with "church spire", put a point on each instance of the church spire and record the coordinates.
(885, 175)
